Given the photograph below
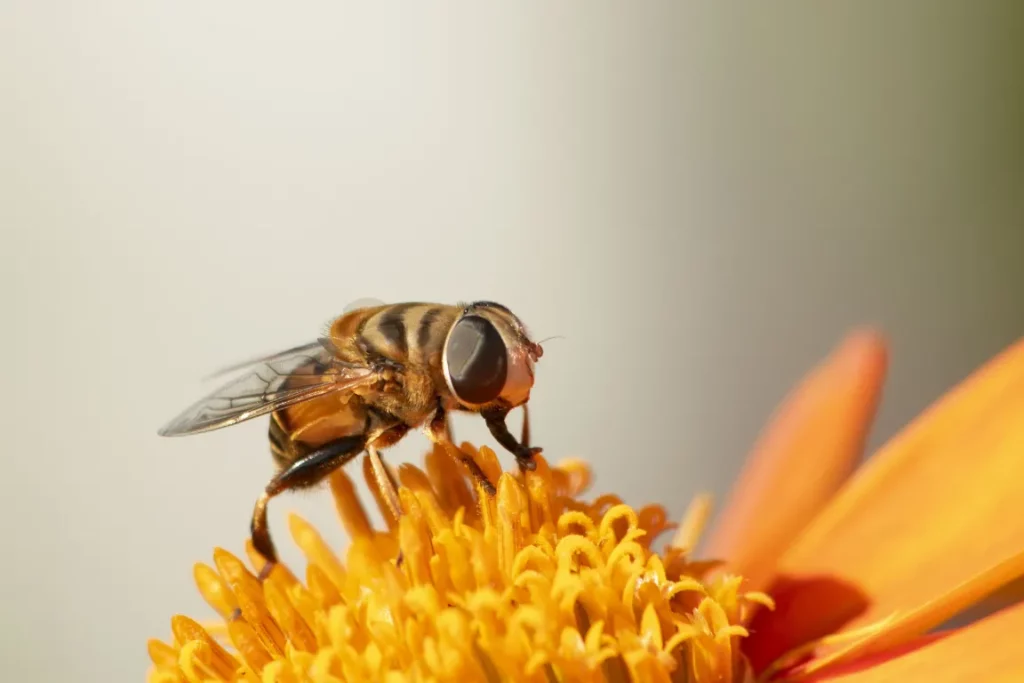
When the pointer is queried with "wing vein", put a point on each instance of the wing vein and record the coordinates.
(271, 383)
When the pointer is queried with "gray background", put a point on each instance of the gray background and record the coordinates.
(702, 201)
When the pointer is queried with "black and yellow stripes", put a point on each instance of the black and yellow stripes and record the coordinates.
(408, 334)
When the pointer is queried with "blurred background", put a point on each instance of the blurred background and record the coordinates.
(701, 200)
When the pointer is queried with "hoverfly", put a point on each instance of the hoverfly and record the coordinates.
(379, 372)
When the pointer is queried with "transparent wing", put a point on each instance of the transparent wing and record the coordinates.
(311, 349)
(268, 384)
(366, 302)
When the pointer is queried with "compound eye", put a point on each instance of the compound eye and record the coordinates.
(477, 360)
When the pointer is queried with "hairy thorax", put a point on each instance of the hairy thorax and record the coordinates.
(410, 396)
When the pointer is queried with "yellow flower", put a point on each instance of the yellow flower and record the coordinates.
(825, 576)
(530, 584)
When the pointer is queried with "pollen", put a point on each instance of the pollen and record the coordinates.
(535, 583)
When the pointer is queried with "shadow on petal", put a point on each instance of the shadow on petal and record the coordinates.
(806, 608)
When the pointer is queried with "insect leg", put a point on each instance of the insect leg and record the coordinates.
(495, 420)
(384, 482)
(306, 471)
(437, 432)
(525, 437)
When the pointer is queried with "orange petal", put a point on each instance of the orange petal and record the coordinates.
(988, 650)
(901, 629)
(807, 451)
(937, 505)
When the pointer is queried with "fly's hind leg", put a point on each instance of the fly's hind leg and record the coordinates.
(437, 432)
(307, 471)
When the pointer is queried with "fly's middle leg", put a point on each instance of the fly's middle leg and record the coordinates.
(437, 432)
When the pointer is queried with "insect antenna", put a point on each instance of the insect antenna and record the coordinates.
(547, 339)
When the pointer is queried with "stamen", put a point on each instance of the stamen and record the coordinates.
(533, 582)
(695, 519)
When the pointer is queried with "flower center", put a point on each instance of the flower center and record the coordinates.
(531, 584)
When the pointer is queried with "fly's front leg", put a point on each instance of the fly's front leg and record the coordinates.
(437, 432)
(524, 437)
(495, 419)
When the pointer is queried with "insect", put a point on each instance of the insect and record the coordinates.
(379, 372)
